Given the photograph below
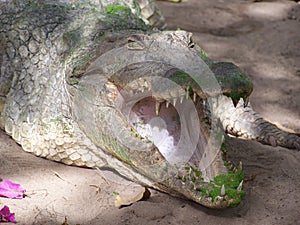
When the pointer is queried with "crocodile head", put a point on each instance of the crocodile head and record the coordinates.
(149, 103)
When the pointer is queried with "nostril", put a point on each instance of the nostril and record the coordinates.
(191, 44)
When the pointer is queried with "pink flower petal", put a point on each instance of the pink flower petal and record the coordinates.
(6, 215)
(10, 189)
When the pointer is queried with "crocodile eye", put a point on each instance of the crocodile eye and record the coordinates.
(136, 42)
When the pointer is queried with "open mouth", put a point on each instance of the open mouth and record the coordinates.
(172, 116)
(181, 130)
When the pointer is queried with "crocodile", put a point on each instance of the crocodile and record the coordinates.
(98, 84)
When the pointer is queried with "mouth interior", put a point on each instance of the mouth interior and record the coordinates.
(163, 129)
(174, 130)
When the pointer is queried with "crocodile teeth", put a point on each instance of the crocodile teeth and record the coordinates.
(174, 101)
(209, 199)
(181, 99)
(194, 97)
(157, 107)
(246, 101)
(230, 165)
(240, 167)
(239, 188)
(223, 191)
(218, 199)
(167, 104)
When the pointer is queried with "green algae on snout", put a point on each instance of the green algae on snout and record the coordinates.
(120, 17)
(114, 9)
(232, 182)
(191, 174)
(234, 82)
(181, 78)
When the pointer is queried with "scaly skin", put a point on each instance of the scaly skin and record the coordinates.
(67, 70)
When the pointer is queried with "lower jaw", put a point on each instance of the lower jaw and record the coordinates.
(190, 178)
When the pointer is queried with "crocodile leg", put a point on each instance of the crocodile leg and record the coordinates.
(244, 122)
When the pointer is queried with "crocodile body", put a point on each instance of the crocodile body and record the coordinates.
(70, 71)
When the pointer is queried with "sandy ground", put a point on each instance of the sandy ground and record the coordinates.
(263, 38)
